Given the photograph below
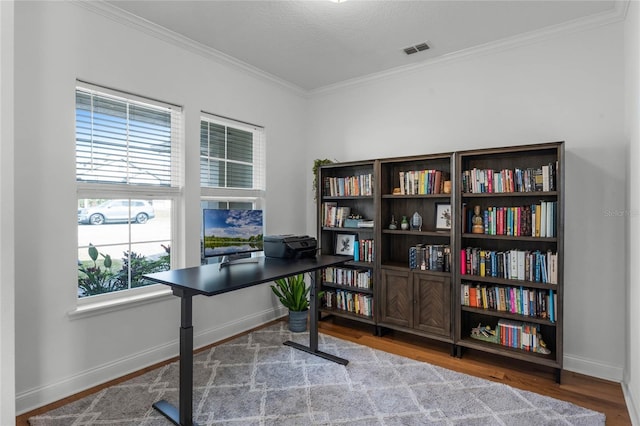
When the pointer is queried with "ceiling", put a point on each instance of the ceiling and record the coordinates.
(317, 44)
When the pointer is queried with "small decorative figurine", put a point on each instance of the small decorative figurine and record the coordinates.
(478, 226)
(393, 224)
(416, 222)
(404, 224)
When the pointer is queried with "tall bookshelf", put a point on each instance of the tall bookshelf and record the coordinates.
(509, 275)
(346, 215)
(415, 292)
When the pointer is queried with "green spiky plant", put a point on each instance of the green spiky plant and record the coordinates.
(293, 292)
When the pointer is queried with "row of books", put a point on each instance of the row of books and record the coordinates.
(520, 335)
(357, 303)
(420, 182)
(360, 185)
(432, 257)
(516, 264)
(536, 220)
(530, 179)
(334, 216)
(348, 277)
(363, 251)
(515, 300)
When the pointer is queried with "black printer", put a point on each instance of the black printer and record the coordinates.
(290, 246)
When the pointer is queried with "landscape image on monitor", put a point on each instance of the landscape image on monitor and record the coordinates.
(234, 231)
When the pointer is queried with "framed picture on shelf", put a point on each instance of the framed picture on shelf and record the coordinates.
(443, 216)
(345, 244)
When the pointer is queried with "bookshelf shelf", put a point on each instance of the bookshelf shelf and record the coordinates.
(347, 197)
(496, 349)
(508, 315)
(347, 314)
(508, 282)
(509, 237)
(348, 288)
(535, 194)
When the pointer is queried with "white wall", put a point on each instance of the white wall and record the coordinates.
(56, 43)
(632, 128)
(7, 270)
(568, 87)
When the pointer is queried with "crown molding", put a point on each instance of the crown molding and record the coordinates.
(130, 20)
(616, 14)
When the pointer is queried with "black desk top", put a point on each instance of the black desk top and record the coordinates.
(210, 280)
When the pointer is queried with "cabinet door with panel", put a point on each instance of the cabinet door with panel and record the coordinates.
(432, 303)
(397, 298)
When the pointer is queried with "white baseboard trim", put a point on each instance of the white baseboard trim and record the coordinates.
(40, 396)
(631, 404)
(593, 368)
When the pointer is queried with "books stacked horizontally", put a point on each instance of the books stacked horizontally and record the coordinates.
(536, 303)
(516, 264)
(539, 179)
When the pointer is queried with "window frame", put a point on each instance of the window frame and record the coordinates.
(256, 195)
(108, 190)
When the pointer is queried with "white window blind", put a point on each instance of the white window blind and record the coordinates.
(231, 154)
(126, 141)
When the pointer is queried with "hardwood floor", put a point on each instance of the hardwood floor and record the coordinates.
(589, 392)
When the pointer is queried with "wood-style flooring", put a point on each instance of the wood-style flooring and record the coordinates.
(589, 392)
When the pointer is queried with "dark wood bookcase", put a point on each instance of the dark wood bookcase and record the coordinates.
(418, 298)
(518, 163)
(337, 187)
(430, 300)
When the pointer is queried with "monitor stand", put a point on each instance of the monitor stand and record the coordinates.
(235, 259)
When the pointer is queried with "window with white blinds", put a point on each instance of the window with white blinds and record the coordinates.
(128, 156)
(124, 140)
(231, 154)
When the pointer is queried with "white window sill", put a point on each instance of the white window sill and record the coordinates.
(126, 301)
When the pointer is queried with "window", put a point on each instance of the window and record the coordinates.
(128, 179)
(232, 165)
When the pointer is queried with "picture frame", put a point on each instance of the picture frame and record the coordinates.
(443, 216)
(345, 244)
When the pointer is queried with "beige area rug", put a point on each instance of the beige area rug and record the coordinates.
(256, 380)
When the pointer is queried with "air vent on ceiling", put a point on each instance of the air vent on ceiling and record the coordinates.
(415, 49)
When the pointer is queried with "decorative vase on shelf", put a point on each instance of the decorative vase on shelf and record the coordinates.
(416, 222)
(393, 224)
(404, 224)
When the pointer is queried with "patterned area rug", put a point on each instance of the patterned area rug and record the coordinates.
(256, 380)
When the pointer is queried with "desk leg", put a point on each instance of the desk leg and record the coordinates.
(313, 329)
(184, 415)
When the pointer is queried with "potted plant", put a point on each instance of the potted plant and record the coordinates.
(294, 295)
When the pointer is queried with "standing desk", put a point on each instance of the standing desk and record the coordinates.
(209, 280)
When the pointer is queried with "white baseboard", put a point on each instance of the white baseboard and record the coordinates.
(631, 404)
(593, 368)
(46, 394)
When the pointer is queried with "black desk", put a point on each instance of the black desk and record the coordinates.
(209, 280)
